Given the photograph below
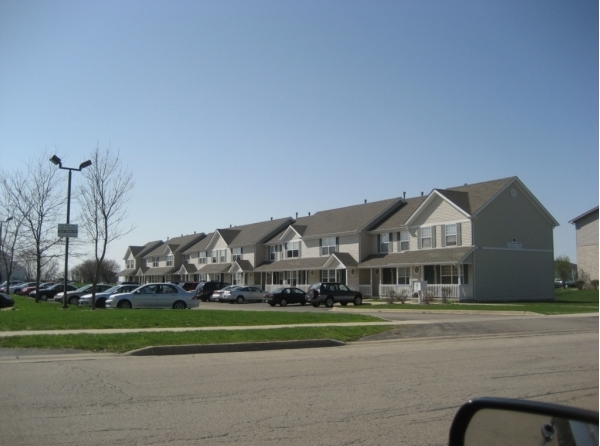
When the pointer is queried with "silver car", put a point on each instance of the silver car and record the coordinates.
(101, 297)
(243, 294)
(154, 295)
(217, 295)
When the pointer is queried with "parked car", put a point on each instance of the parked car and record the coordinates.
(12, 283)
(243, 294)
(154, 295)
(188, 286)
(284, 296)
(86, 299)
(6, 301)
(204, 290)
(16, 289)
(73, 296)
(52, 291)
(217, 295)
(29, 289)
(329, 293)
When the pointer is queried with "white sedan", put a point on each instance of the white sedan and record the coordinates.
(243, 294)
(154, 295)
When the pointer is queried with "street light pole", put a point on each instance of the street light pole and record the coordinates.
(56, 160)
(1, 254)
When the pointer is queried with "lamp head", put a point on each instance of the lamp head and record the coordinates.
(85, 164)
(56, 160)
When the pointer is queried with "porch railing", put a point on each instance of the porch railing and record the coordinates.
(457, 292)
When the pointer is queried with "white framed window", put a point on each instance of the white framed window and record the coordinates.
(328, 275)
(170, 260)
(273, 252)
(202, 257)
(155, 262)
(403, 241)
(222, 255)
(236, 254)
(403, 276)
(213, 256)
(130, 264)
(328, 245)
(292, 249)
(449, 274)
(384, 242)
(451, 235)
(426, 237)
(291, 278)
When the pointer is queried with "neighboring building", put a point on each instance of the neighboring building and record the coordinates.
(163, 263)
(134, 261)
(586, 230)
(490, 241)
(18, 271)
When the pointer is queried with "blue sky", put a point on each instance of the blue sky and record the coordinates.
(233, 112)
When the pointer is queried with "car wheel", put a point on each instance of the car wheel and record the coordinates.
(124, 304)
(357, 300)
(303, 303)
(316, 305)
(179, 305)
(329, 301)
(283, 302)
(343, 304)
(272, 303)
(74, 301)
(240, 299)
(204, 299)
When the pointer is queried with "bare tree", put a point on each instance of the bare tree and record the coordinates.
(35, 200)
(103, 197)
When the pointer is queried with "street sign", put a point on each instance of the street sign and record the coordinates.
(67, 230)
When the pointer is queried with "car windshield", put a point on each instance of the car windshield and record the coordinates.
(83, 288)
(113, 289)
(278, 290)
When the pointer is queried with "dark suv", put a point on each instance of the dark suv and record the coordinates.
(329, 293)
(205, 289)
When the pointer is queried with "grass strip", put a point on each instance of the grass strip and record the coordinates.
(120, 343)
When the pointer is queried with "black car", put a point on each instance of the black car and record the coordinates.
(284, 296)
(329, 293)
(205, 289)
(52, 291)
(6, 301)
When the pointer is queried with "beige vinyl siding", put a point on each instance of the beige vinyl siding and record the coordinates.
(312, 249)
(437, 212)
(587, 230)
(249, 254)
(350, 244)
(507, 218)
(512, 275)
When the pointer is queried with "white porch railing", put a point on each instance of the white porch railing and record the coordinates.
(457, 292)
(366, 290)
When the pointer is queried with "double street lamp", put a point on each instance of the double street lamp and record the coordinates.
(3, 255)
(56, 160)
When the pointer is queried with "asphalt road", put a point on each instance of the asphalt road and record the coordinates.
(404, 390)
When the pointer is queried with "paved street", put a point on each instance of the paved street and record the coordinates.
(403, 390)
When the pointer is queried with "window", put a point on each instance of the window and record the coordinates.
(384, 242)
(328, 275)
(130, 264)
(222, 255)
(403, 241)
(403, 276)
(154, 262)
(273, 250)
(202, 257)
(236, 254)
(426, 238)
(388, 276)
(213, 256)
(328, 245)
(451, 235)
(292, 249)
(170, 260)
(291, 277)
(449, 274)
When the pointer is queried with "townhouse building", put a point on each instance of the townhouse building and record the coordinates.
(586, 235)
(490, 241)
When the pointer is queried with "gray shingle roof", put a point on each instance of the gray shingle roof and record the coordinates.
(418, 257)
(177, 244)
(343, 220)
(472, 197)
(292, 264)
(398, 218)
(252, 233)
(215, 268)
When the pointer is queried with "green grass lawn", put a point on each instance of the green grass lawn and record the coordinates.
(567, 301)
(28, 315)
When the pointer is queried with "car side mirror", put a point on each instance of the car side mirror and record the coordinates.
(500, 421)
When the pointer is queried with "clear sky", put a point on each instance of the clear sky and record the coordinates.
(232, 112)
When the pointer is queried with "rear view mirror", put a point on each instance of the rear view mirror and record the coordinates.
(499, 421)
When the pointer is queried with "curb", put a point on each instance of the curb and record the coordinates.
(230, 348)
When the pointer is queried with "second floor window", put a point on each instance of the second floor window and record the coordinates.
(170, 260)
(236, 254)
(384, 242)
(154, 262)
(328, 245)
(292, 249)
(202, 257)
(273, 250)
(130, 264)
(451, 235)
(403, 241)
(426, 238)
